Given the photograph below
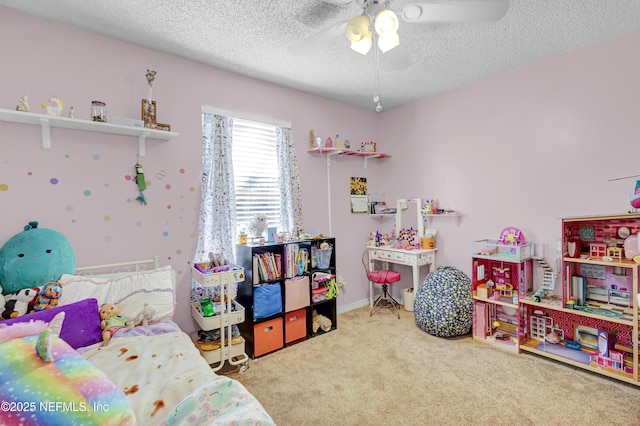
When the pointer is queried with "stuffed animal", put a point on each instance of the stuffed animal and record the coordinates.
(320, 322)
(35, 257)
(17, 304)
(111, 321)
(1, 300)
(48, 296)
(258, 225)
(144, 317)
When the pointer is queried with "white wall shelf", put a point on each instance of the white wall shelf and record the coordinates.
(429, 217)
(47, 121)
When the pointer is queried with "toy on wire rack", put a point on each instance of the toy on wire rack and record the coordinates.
(142, 185)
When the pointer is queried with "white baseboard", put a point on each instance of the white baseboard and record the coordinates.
(365, 302)
(354, 305)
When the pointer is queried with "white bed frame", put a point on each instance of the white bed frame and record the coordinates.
(133, 266)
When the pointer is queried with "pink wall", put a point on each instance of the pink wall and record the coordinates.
(80, 187)
(521, 149)
(524, 148)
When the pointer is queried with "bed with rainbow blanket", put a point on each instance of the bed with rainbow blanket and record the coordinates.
(55, 370)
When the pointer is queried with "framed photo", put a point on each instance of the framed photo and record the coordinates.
(149, 114)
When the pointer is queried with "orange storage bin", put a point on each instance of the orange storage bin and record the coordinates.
(268, 336)
(296, 293)
(295, 325)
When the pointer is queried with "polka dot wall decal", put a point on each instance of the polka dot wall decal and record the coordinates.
(127, 177)
(192, 189)
(169, 206)
(138, 224)
(4, 187)
(69, 208)
(29, 173)
(181, 171)
(165, 234)
(87, 192)
(167, 186)
(96, 157)
(178, 252)
(53, 181)
(106, 185)
(107, 218)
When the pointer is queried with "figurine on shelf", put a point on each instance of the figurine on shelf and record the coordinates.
(72, 113)
(23, 104)
(53, 110)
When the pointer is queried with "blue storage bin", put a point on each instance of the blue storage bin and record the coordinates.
(267, 300)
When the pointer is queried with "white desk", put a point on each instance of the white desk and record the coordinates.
(414, 258)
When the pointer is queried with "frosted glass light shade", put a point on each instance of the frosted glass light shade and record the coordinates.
(388, 42)
(363, 46)
(386, 23)
(357, 28)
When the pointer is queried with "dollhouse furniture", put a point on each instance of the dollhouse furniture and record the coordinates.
(378, 272)
(157, 371)
(443, 305)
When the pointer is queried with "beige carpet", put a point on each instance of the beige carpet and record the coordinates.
(385, 371)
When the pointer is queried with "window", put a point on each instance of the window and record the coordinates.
(255, 172)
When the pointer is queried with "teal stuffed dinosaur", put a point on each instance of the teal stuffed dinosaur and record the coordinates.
(33, 258)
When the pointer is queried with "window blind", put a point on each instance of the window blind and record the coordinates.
(255, 171)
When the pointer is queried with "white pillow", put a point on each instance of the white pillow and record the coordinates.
(130, 291)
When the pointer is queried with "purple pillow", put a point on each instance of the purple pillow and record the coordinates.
(81, 325)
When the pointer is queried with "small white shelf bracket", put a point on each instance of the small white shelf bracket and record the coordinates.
(46, 133)
(142, 138)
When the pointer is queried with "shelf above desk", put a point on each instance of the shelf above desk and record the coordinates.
(330, 152)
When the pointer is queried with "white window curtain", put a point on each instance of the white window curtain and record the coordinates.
(290, 189)
(217, 224)
(216, 227)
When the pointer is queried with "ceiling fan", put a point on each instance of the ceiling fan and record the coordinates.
(378, 23)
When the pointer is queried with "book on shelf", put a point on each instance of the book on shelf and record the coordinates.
(268, 266)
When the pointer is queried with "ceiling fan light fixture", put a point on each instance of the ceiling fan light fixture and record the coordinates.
(386, 23)
(363, 46)
(357, 28)
(388, 42)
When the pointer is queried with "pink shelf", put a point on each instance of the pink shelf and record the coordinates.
(346, 151)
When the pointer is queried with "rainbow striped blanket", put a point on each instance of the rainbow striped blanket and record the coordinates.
(68, 391)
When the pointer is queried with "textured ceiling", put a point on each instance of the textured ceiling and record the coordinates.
(286, 41)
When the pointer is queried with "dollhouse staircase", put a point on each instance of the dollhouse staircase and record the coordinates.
(548, 276)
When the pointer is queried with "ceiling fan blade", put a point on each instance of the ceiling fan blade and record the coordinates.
(339, 2)
(319, 40)
(396, 59)
(457, 11)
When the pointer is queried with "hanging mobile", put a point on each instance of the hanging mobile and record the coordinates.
(141, 184)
